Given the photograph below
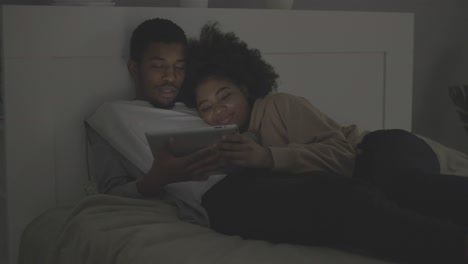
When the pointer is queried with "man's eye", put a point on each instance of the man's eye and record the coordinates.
(180, 67)
(225, 96)
(157, 66)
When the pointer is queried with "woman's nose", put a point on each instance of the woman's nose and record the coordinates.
(219, 108)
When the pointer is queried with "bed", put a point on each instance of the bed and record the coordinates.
(61, 63)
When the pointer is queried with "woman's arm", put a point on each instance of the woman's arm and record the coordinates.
(294, 137)
(311, 140)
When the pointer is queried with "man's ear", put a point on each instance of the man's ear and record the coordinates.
(133, 69)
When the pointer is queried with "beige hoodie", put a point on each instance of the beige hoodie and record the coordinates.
(301, 138)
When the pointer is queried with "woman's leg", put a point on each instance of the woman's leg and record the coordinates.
(406, 169)
(326, 210)
(393, 150)
(441, 196)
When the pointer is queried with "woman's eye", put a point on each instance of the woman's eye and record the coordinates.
(205, 109)
(225, 96)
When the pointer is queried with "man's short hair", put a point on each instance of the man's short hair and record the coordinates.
(154, 30)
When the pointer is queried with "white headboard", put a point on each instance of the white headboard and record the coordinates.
(61, 63)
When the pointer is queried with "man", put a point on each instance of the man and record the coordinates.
(157, 66)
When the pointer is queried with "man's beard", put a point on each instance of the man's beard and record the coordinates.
(141, 94)
(162, 106)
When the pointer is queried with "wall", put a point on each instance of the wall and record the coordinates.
(3, 219)
(3, 231)
(25, 2)
(440, 54)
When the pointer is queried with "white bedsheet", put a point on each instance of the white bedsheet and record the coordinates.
(111, 230)
(451, 161)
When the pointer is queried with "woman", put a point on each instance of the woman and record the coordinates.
(299, 189)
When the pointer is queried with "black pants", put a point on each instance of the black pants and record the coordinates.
(385, 213)
(406, 169)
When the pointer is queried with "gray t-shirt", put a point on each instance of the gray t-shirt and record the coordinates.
(115, 175)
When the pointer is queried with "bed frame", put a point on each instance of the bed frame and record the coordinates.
(61, 63)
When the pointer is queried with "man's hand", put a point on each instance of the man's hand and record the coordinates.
(244, 152)
(168, 169)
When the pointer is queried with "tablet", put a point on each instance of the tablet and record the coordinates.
(188, 140)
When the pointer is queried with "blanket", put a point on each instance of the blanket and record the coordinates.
(106, 229)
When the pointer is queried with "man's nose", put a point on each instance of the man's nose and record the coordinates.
(169, 74)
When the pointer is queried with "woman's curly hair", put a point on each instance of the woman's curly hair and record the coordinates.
(224, 56)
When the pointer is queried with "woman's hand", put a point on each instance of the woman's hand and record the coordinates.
(244, 152)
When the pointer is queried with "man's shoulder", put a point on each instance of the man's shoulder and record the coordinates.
(139, 106)
(121, 103)
(181, 107)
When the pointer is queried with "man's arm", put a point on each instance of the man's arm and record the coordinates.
(116, 175)
(112, 172)
(167, 168)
